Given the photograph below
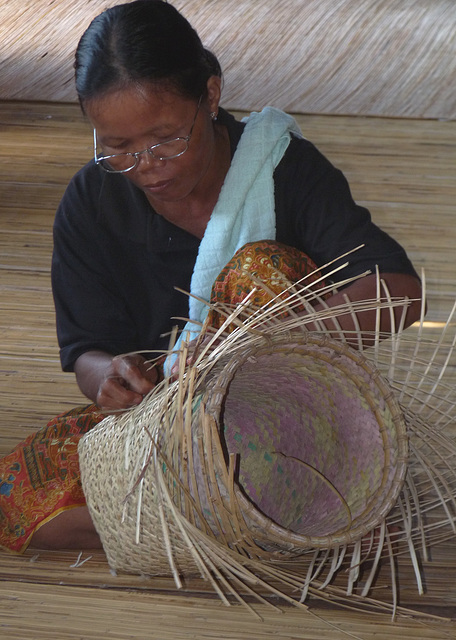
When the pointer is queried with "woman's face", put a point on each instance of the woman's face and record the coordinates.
(135, 118)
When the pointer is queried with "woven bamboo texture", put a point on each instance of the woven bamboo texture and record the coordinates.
(369, 57)
(403, 170)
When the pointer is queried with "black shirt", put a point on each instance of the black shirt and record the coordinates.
(116, 262)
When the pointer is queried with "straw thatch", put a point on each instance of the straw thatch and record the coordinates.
(168, 494)
(371, 57)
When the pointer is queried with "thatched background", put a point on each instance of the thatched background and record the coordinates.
(360, 57)
(370, 57)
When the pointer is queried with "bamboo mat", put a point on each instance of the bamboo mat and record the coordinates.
(402, 169)
(52, 614)
(368, 57)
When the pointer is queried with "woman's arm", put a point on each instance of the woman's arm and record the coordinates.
(114, 382)
(399, 285)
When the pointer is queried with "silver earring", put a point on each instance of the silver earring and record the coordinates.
(214, 115)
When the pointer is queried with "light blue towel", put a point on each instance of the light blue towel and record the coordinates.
(245, 210)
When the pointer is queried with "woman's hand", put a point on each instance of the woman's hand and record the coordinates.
(127, 381)
(115, 382)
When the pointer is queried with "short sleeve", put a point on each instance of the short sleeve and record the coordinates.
(89, 313)
(316, 213)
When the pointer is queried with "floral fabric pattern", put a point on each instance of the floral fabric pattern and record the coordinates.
(275, 264)
(40, 477)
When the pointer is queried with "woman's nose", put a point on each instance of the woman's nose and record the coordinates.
(146, 159)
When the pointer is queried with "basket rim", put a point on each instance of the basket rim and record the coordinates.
(384, 497)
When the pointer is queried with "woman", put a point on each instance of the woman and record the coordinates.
(149, 216)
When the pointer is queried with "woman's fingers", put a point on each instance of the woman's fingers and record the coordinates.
(137, 374)
(128, 381)
(113, 395)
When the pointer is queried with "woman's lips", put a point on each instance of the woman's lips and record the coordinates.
(157, 187)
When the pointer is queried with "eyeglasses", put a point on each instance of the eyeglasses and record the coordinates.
(123, 162)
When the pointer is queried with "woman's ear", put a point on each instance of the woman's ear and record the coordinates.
(214, 91)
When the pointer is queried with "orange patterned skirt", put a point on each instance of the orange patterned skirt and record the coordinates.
(40, 478)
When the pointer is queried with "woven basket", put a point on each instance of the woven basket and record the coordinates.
(280, 447)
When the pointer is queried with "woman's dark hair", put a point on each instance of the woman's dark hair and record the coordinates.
(142, 41)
